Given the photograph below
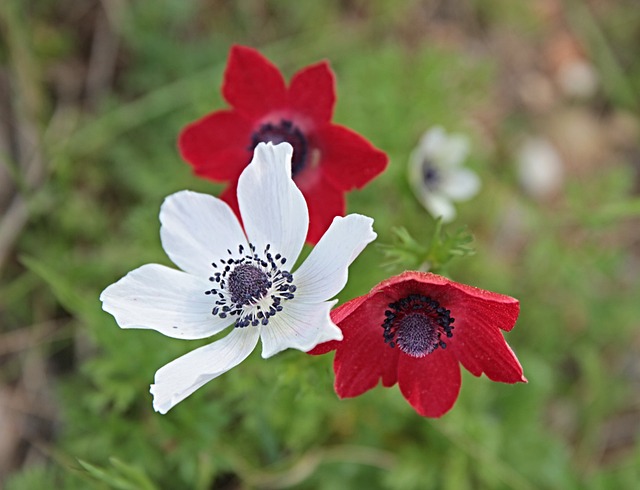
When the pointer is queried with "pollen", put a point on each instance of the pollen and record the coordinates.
(417, 325)
(247, 284)
(250, 286)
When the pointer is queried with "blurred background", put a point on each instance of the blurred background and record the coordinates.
(92, 97)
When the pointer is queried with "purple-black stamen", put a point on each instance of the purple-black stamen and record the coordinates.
(417, 325)
(284, 131)
(430, 174)
(250, 287)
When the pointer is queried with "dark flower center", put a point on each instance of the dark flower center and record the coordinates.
(418, 325)
(250, 286)
(288, 132)
(247, 284)
(430, 174)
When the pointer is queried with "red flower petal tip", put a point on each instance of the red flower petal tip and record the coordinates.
(416, 329)
(328, 159)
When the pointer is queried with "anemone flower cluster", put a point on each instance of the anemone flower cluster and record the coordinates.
(232, 279)
(287, 167)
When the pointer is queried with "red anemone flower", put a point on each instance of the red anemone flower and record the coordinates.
(328, 159)
(413, 329)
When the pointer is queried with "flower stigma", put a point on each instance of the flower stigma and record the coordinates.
(247, 283)
(251, 286)
(418, 325)
(288, 132)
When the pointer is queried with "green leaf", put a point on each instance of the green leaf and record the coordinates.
(122, 476)
(68, 294)
(406, 252)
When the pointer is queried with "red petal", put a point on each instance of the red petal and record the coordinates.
(230, 196)
(337, 316)
(502, 309)
(324, 348)
(216, 145)
(252, 84)
(347, 159)
(477, 340)
(481, 348)
(312, 92)
(430, 384)
(324, 201)
(362, 358)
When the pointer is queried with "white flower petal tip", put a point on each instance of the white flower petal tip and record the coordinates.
(274, 155)
(163, 299)
(332, 332)
(183, 376)
(325, 272)
(437, 176)
(301, 326)
(273, 209)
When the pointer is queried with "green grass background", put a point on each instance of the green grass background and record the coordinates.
(572, 261)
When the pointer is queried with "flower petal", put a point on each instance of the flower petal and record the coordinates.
(272, 207)
(197, 229)
(252, 84)
(325, 271)
(338, 315)
(438, 205)
(431, 142)
(363, 358)
(460, 184)
(312, 92)
(325, 202)
(299, 326)
(181, 377)
(489, 354)
(431, 384)
(216, 145)
(479, 316)
(347, 159)
(501, 309)
(478, 342)
(163, 299)
(453, 150)
(230, 196)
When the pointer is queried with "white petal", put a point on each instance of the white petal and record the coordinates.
(197, 229)
(453, 150)
(272, 207)
(163, 299)
(299, 326)
(181, 377)
(431, 142)
(416, 170)
(460, 184)
(540, 168)
(439, 206)
(324, 273)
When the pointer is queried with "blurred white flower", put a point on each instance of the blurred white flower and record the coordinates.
(578, 78)
(233, 279)
(540, 168)
(437, 176)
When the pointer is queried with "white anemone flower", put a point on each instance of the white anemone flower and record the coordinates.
(229, 279)
(437, 176)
